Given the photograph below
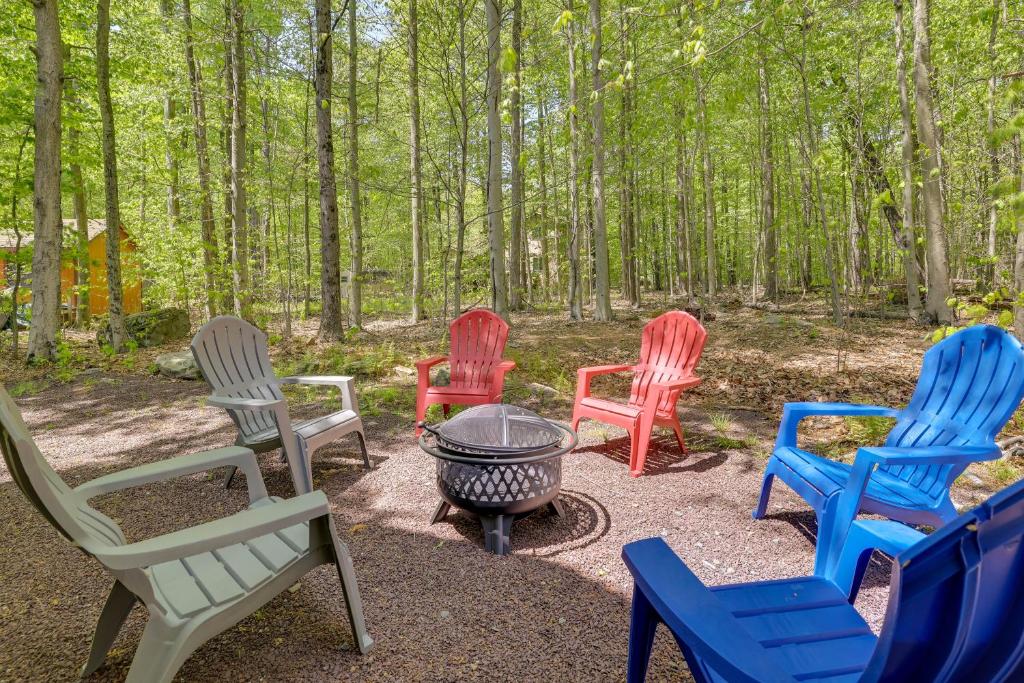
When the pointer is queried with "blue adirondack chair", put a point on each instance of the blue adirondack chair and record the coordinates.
(969, 386)
(954, 609)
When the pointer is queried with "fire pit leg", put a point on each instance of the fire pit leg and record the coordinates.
(557, 508)
(440, 511)
(496, 531)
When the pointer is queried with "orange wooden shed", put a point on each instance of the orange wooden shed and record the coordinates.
(130, 275)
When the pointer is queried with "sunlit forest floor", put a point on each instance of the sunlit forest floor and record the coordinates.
(438, 606)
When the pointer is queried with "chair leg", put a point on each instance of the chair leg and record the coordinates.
(160, 654)
(766, 492)
(421, 413)
(576, 422)
(230, 476)
(642, 626)
(634, 449)
(350, 589)
(366, 454)
(447, 408)
(119, 604)
(643, 437)
(680, 439)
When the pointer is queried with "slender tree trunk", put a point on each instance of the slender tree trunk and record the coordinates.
(545, 241)
(115, 308)
(767, 182)
(602, 295)
(931, 191)
(909, 245)
(209, 232)
(308, 251)
(460, 198)
(170, 136)
(711, 257)
(416, 182)
(46, 255)
(1018, 261)
(81, 214)
(495, 223)
(227, 262)
(993, 147)
(330, 275)
(575, 304)
(517, 238)
(355, 300)
(239, 209)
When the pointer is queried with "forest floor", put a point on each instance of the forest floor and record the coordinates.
(438, 606)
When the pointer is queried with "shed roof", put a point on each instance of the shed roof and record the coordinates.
(8, 241)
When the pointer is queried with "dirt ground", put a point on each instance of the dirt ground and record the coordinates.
(438, 606)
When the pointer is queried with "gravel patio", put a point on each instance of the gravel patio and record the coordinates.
(438, 606)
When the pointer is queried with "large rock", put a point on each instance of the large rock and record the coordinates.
(151, 328)
(178, 365)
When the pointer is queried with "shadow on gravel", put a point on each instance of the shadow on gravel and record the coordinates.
(663, 456)
(542, 533)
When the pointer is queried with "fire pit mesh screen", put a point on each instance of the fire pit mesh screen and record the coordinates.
(499, 428)
(498, 484)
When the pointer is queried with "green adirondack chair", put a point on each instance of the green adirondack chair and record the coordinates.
(195, 582)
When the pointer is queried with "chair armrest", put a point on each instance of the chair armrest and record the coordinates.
(676, 384)
(500, 370)
(866, 536)
(929, 455)
(344, 383)
(585, 375)
(793, 413)
(236, 456)
(234, 403)
(696, 616)
(431, 362)
(237, 528)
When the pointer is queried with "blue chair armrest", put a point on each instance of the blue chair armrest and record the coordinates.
(696, 616)
(929, 455)
(793, 413)
(866, 536)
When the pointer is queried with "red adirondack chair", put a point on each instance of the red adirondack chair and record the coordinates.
(477, 370)
(669, 351)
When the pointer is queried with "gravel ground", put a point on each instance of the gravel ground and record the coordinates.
(438, 606)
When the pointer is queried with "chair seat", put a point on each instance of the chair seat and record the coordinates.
(307, 430)
(829, 477)
(611, 407)
(457, 390)
(208, 580)
(806, 624)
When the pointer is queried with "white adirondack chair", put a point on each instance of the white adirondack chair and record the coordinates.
(232, 355)
(195, 582)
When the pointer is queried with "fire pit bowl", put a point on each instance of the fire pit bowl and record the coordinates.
(500, 462)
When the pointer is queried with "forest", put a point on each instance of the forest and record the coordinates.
(286, 160)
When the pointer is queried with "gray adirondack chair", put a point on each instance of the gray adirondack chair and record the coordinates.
(194, 582)
(232, 356)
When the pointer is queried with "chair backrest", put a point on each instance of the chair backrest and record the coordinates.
(76, 521)
(956, 601)
(232, 355)
(476, 344)
(669, 349)
(970, 384)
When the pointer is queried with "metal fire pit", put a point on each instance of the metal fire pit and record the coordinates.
(500, 462)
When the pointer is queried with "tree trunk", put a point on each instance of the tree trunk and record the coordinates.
(227, 261)
(545, 241)
(909, 246)
(209, 232)
(931, 191)
(115, 308)
(495, 224)
(573, 247)
(355, 301)
(1018, 261)
(517, 273)
(416, 182)
(711, 258)
(602, 295)
(771, 289)
(239, 209)
(993, 147)
(170, 112)
(460, 197)
(81, 252)
(330, 275)
(46, 255)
